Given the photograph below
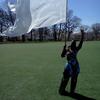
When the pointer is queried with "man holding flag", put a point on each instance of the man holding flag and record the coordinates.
(72, 68)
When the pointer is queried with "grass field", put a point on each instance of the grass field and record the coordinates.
(33, 71)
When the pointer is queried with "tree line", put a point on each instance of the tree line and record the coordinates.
(53, 33)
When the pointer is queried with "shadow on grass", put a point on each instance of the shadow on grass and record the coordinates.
(78, 96)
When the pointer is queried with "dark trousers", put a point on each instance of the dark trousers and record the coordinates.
(65, 80)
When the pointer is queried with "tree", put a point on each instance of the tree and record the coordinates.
(72, 23)
(46, 32)
(55, 32)
(11, 16)
(60, 31)
(96, 29)
(6, 20)
(23, 38)
(87, 30)
(40, 34)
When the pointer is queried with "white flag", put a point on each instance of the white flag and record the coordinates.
(31, 14)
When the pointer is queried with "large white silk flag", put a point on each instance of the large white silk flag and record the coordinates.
(32, 14)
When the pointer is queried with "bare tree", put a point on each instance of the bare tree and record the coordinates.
(96, 29)
(60, 31)
(87, 30)
(40, 34)
(11, 16)
(72, 23)
(5, 20)
(55, 32)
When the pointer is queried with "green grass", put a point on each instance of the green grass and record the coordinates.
(33, 71)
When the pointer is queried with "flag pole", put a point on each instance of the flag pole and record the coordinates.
(66, 30)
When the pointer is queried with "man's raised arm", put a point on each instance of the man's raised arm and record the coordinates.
(81, 41)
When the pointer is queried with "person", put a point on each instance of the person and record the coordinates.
(72, 68)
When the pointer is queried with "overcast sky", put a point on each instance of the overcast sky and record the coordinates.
(87, 10)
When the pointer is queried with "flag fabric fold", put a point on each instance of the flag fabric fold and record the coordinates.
(32, 14)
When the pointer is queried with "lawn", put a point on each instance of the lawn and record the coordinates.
(33, 71)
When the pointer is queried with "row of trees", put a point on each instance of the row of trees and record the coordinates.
(55, 32)
(58, 31)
